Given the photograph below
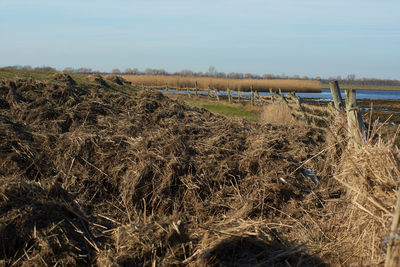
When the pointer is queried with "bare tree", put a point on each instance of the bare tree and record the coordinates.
(84, 70)
(45, 69)
(351, 77)
(268, 76)
(68, 69)
(116, 71)
(248, 75)
(221, 75)
(133, 71)
(186, 73)
(212, 71)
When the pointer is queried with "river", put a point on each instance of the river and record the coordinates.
(325, 94)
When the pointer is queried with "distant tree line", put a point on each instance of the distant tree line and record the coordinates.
(212, 72)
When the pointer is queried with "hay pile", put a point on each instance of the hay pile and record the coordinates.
(90, 177)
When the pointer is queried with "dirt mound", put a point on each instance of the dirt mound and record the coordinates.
(104, 178)
(117, 79)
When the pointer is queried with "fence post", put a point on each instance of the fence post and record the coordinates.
(208, 92)
(228, 91)
(238, 93)
(393, 249)
(298, 102)
(272, 95)
(337, 97)
(216, 94)
(252, 95)
(195, 88)
(166, 87)
(354, 119)
(187, 91)
(282, 96)
(259, 98)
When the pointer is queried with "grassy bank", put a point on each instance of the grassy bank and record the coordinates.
(230, 110)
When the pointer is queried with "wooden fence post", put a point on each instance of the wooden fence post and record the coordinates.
(238, 93)
(282, 97)
(298, 102)
(166, 87)
(337, 97)
(252, 95)
(195, 88)
(259, 97)
(208, 92)
(187, 91)
(272, 95)
(228, 91)
(393, 249)
(216, 94)
(354, 119)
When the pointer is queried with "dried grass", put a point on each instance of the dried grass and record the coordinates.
(370, 176)
(278, 113)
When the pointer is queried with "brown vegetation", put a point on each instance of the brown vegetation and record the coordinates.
(223, 83)
(277, 113)
(108, 179)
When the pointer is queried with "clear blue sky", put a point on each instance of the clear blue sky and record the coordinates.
(309, 37)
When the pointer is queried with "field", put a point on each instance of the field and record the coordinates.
(230, 110)
(96, 172)
(223, 83)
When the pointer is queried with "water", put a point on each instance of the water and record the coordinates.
(325, 94)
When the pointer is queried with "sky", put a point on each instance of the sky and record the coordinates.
(309, 37)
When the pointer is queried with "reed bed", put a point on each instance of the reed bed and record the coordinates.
(261, 85)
